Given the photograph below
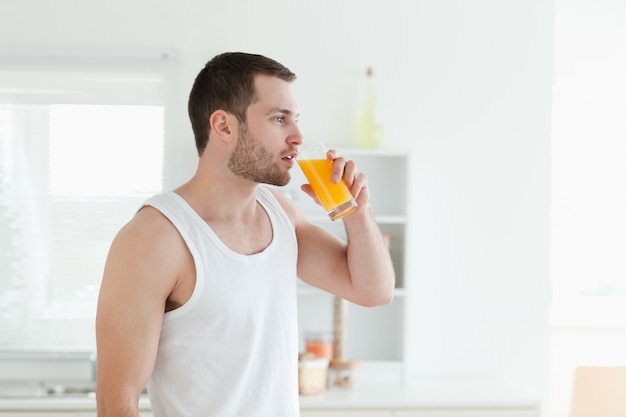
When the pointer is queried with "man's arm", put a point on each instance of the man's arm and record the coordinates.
(360, 271)
(139, 275)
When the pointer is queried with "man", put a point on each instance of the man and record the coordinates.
(198, 298)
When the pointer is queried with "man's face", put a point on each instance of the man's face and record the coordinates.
(268, 141)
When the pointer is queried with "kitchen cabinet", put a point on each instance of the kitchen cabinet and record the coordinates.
(59, 414)
(373, 334)
(37, 414)
(94, 414)
(334, 413)
(421, 413)
(468, 413)
(347, 413)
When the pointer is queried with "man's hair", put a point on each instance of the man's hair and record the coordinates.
(227, 83)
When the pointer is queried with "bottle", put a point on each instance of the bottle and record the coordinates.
(368, 131)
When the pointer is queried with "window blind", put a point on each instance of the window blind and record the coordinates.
(81, 146)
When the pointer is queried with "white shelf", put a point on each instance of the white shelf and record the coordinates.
(374, 334)
(384, 219)
(373, 152)
(307, 290)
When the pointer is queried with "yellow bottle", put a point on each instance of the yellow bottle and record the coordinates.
(367, 130)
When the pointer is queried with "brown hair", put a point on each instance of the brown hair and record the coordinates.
(227, 83)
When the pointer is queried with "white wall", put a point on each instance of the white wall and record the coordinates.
(464, 85)
(482, 131)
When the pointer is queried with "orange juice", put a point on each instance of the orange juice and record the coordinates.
(334, 197)
(319, 348)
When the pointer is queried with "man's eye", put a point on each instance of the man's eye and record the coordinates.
(279, 119)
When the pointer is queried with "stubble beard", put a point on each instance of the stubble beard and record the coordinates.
(255, 162)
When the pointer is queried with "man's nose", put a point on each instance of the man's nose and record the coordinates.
(295, 138)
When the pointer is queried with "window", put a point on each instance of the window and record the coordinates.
(589, 164)
(80, 149)
(119, 138)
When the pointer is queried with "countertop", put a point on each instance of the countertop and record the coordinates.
(58, 403)
(419, 395)
(424, 395)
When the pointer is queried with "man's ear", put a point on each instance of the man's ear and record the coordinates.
(221, 124)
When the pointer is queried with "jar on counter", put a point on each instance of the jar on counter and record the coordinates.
(312, 374)
(319, 344)
(343, 374)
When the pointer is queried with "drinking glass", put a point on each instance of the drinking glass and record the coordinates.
(317, 168)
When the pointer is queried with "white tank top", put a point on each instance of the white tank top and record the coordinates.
(232, 349)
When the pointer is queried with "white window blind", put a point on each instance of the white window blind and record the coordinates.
(80, 149)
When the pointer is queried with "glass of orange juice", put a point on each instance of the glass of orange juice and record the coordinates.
(317, 168)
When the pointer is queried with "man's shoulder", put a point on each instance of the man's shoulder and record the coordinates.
(149, 227)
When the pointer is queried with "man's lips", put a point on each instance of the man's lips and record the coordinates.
(291, 157)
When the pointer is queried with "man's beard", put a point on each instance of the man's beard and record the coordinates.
(255, 162)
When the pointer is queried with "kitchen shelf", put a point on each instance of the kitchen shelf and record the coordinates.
(374, 334)
(384, 219)
(307, 290)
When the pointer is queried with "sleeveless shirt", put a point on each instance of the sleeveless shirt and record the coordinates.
(232, 349)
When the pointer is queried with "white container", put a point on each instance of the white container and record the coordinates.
(312, 375)
(343, 374)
